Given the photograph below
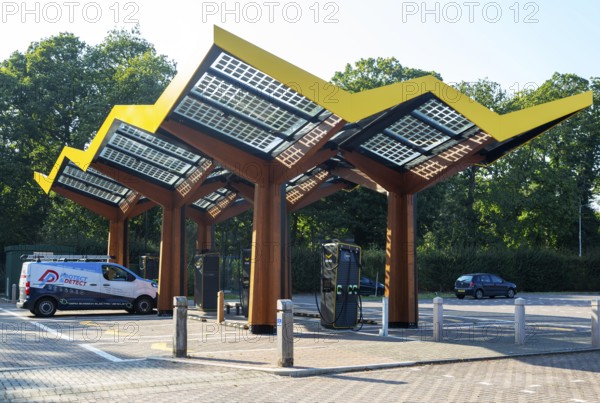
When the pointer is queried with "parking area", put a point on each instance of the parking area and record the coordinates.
(117, 356)
(472, 329)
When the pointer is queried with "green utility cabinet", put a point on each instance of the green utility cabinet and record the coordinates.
(13, 260)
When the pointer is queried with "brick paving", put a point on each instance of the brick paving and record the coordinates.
(91, 356)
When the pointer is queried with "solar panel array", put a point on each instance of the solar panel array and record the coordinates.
(149, 156)
(418, 135)
(237, 103)
(92, 183)
(235, 100)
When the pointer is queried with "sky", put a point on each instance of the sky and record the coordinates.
(518, 44)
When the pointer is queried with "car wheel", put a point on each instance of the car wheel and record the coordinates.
(510, 293)
(45, 307)
(479, 294)
(460, 296)
(143, 305)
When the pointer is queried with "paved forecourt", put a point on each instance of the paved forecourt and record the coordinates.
(113, 355)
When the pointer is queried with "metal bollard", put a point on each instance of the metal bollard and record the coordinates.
(180, 307)
(384, 316)
(438, 319)
(220, 307)
(285, 333)
(519, 321)
(595, 324)
(14, 293)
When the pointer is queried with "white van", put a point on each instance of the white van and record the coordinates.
(47, 286)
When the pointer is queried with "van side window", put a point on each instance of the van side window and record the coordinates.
(114, 273)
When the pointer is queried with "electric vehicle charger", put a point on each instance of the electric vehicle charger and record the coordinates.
(340, 273)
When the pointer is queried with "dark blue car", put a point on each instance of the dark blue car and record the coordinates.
(479, 285)
(370, 287)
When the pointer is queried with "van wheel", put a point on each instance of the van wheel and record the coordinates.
(45, 307)
(143, 305)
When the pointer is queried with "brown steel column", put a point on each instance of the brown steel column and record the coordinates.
(117, 241)
(204, 237)
(171, 274)
(400, 265)
(265, 277)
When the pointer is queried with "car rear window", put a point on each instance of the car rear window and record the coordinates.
(465, 278)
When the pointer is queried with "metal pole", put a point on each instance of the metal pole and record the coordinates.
(285, 333)
(180, 307)
(519, 321)
(14, 293)
(438, 319)
(579, 229)
(221, 307)
(595, 324)
(385, 312)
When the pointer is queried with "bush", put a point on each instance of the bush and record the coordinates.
(531, 269)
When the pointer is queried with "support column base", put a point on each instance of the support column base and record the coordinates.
(165, 313)
(403, 325)
(262, 329)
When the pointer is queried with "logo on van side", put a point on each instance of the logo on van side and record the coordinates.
(49, 276)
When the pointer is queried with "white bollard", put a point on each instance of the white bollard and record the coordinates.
(384, 316)
(519, 321)
(595, 324)
(14, 293)
(438, 319)
(180, 308)
(285, 333)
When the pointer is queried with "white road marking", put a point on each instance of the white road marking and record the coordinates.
(63, 336)
(528, 391)
(101, 353)
(485, 383)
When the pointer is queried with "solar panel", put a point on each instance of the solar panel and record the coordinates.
(213, 198)
(89, 189)
(418, 132)
(248, 75)
(149, 154)
(390, 149)
(95, 178)
(138, 166)
(227, 94)
(158, 143)
(444, 115)
(231, 126)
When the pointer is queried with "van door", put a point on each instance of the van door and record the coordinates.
(78, 286)
(117, 285)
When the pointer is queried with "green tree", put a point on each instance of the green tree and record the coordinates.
(57, 93)
(532, 196)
